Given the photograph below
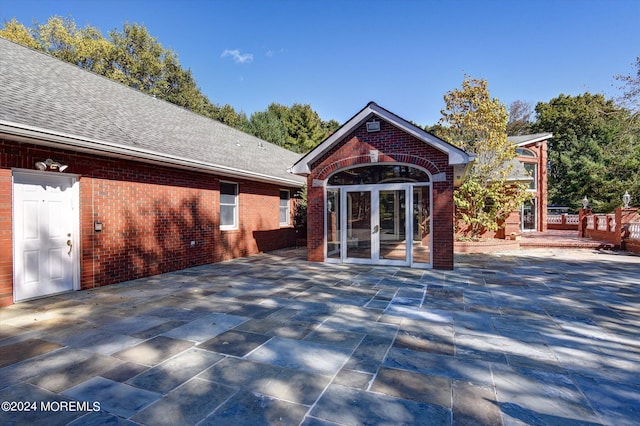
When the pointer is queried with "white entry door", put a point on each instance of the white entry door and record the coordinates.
(45, 223)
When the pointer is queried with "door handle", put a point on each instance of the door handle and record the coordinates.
(376, 229)
(70, 244)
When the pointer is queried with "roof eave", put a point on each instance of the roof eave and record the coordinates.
(43, 137)
(543, 137)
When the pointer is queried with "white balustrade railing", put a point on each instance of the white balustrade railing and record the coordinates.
(612, 222)
(573, 219)
(554, 219)
(634, 231)
(603, 222)
(590, 222)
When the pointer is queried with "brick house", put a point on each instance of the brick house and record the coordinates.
(101, 184)
(377, 183)
(530, 168)
(532, 154)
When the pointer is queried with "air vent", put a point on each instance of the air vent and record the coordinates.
(373, 126)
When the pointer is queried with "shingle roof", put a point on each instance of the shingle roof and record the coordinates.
(51, 99)
(527, 139)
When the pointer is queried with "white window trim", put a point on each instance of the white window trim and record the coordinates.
(535, 175)
(288, 222)
(235, 211)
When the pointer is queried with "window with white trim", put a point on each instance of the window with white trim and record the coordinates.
(285, 209)
(532, 169)
(228, 205)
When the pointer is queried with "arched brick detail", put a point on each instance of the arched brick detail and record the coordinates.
(343, 163)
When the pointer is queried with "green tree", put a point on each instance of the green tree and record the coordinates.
(477, 123)
(593, 153)
(298, 128)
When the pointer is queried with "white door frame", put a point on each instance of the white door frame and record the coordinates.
(42, 177)
(534, 212)
(374, 190)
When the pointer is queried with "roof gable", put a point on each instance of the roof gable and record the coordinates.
(47, 101)
(456, 156)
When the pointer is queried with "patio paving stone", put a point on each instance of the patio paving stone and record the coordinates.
(472, 370)
(37, 414)
(474, 404)
(236, 343)
(100, 341)
(347, 406)
(205, 327)
(159, 329)
(249, 409)
(153, 351)
(124, 371)
(115, 397)
(413, 386)
(186, 405)
(71, 375)
(175, 371)
(30, 348)
(307, 356)
(541, 337)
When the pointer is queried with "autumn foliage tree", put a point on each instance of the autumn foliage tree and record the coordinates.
(477, 123)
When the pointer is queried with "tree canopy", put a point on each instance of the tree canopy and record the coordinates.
(594, 152)
(298, 128)
(477, 123)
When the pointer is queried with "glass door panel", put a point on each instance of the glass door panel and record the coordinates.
(421, 225)
(529, 215)
(358, 224)
(333, 223)
(393, 224)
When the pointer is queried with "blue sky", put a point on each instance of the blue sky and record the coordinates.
(404, 55)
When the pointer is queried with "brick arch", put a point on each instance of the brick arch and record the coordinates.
(343, 163)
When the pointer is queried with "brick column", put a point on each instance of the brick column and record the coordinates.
(582, 222)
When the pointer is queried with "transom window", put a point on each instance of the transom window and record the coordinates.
(524, 152)
(378, 173)
(228, 205)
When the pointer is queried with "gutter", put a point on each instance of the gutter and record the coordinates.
(39, 136)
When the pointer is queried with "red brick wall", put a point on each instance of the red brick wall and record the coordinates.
(393, 145)
(150, 215)
(6, 240)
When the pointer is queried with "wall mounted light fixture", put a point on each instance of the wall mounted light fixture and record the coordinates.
(51, 165)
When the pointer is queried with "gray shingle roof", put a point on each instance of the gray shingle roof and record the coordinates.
(41, 93)
(526, 139)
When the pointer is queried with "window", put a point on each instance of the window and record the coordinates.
(285, 212)
(228, 205)
(524, 152)
(378, 173)
(532, 169)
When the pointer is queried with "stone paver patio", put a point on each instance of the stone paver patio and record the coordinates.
(530, 337)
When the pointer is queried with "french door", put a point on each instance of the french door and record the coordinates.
(373, 225)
